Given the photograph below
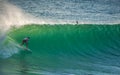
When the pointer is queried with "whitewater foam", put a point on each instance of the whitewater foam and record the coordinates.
(12, 15)
(7, 50)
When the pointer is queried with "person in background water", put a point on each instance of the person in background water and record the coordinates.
(25, 41)
(76, 22)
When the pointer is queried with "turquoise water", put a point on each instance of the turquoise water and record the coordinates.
(62, 50)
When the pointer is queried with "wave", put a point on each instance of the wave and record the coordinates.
(70, 38)
(70, 49)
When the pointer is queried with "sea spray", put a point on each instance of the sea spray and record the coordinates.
(11, 15)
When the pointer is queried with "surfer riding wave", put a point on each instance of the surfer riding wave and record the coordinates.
(25, 41)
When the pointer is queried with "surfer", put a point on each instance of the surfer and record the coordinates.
(25, 41)
(76, 22)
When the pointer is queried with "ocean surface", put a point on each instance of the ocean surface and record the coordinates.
(84, 11)
(59, 12)
(59, 45)
(62, 50)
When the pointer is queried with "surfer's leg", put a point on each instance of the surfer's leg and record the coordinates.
(26, 45)
(22, 43)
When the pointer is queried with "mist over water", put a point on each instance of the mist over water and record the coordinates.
(10, 15)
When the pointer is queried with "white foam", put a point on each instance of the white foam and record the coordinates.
(12, 15)
(8, 50)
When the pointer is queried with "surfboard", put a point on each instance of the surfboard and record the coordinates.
(23, 48)
(27, 49)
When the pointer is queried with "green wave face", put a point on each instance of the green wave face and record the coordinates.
(71, 49)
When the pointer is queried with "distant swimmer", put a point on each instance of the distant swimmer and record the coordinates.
(76, 22)
(25, 41)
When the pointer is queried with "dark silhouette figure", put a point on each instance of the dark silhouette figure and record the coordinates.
(25, 41)
(76, 22)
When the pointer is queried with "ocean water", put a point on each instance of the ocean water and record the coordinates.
(60, 46)
(64, 11)
(62, 50)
